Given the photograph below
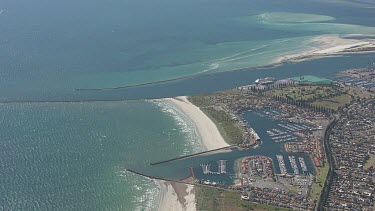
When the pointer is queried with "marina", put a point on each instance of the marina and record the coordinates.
(206, 168)
(293, 162)
(280, 160)
(285, 138)
(222, 168)
(303, 164)
(286, 131)
(206, 165)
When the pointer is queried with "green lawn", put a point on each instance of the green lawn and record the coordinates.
(214, 199)
(320, 179)
(200, 101)
(229, 128)
(370, 162)
(305, 93)
(334, 102)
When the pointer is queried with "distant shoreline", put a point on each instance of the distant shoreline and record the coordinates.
(334, 46)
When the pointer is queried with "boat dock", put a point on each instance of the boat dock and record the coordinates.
(293, 162)
(206, 168)
(222, 166)
(286, 133)
(294, 128)
(280, 160)
(303, 164)
(284, 138)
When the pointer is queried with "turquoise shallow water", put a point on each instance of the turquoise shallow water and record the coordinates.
(52, 47)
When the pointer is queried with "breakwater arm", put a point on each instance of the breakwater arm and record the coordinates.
(178, 79)
(191, 155)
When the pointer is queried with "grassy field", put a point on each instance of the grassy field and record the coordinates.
(209, 199)
(305, 93)
(330, 97)
(359, 93)
(229, 128)
(370, 162)
(320, 179)
(334, 102)
(200, 101)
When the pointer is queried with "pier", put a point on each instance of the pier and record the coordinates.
(293, 162)
(222, 166)
(285, 134)
(192, 155)
(281, 162)
(303, 164)
(206, 168)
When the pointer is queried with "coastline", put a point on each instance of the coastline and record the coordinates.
(208, 132)
(178, 196)
(332, 45)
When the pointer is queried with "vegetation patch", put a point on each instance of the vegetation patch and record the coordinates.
(215, 199)
(334, 103)
(306, 93)
(328, 97)
(320, 180)
(229, 128)
(200, 101)
(370, 162)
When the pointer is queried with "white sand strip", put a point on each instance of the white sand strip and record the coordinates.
(331, 44)
(208, 132)
(169, 198)
(210, 138)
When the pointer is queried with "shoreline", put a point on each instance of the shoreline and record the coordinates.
(208, 132)
(332, 46)
(177, 196)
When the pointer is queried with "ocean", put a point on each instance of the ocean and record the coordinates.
(72, 155)
(50, 48)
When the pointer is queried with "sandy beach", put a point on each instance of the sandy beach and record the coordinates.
(177, 196)
(329, 45)
(207, 130)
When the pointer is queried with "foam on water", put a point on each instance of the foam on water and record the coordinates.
(72, 156)
(304, 22)
(146, 191)
(192, 142)
(288, 17)
(223, 57)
